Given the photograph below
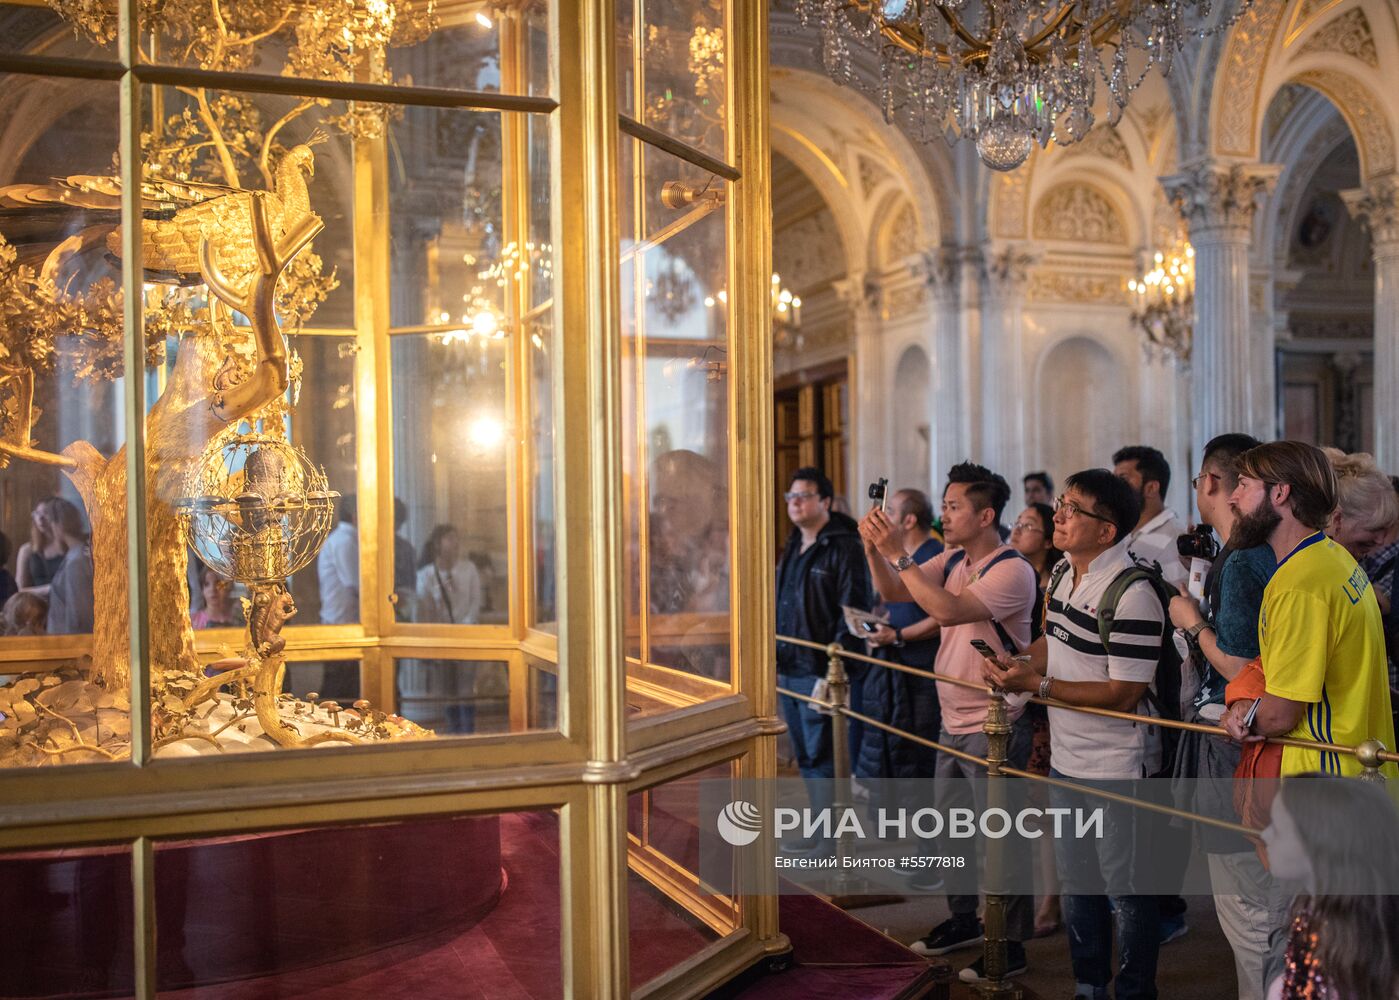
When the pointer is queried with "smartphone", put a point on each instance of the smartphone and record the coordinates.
(984, 648)
(1252, 711)
(869, 626)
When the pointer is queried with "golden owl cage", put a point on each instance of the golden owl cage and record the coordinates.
(389, 552)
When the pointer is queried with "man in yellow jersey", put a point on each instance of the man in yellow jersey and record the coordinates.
(1319, 631)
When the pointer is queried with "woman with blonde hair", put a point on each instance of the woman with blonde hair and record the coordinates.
(1367, 507)
(39, 558)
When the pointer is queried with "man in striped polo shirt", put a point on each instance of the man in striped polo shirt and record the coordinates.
(1070, 664)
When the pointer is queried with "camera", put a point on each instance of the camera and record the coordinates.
(1198, 544)
(879, 493)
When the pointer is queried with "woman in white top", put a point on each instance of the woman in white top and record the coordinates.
(449, 586)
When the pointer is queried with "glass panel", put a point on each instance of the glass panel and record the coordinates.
(70, 930)
(63, 530)
(457, 697)
(413, 908)
(684, 66)
(675, 412)
(543, 703)
(323, 426)
(673, 916)
(449, 416)
(448, 247)
(395, 42)
(546, 611)
(628, 72)
(323, 681)
(36, 29)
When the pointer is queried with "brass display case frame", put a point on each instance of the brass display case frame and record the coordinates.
(588, 767)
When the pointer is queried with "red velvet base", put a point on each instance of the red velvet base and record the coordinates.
(245, 907)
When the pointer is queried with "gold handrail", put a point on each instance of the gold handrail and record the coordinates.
(1221, 824)
(1362, 751)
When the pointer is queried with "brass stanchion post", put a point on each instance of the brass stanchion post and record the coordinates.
(997, 730)
(1368, 753)
(838, 690)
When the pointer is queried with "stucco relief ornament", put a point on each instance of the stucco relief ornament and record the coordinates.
(1006, 74)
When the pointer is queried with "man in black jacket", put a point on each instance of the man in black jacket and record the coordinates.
(822, 567)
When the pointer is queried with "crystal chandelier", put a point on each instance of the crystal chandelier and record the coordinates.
(1163, 303)
(786, 307)
(1005, 74)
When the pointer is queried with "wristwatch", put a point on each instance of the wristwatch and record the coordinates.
(1046, 686)
(1193, 632)
(905, 562)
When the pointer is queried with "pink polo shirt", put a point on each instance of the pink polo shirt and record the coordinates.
(1007, 590)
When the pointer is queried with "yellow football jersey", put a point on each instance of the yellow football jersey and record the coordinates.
(1323, 644)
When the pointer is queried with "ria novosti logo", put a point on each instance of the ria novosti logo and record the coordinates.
(740, 823)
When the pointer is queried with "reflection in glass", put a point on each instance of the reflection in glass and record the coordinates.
(675, 406)
(450, 416)
(455, 697)
(672, 914)
(63, 505)
(683, 65)
(415, 909)
(323, 426)
(68, 922)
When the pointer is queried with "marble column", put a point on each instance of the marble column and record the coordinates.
(1217, 202)
(942, 272)
(871, 453)
(1378, 205)
(1005, 273)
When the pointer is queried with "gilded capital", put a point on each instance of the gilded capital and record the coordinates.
(1377, 205)
(1219, 197)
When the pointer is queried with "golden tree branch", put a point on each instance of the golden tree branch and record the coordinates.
(262, 159)
(37, 456)
(207, 115)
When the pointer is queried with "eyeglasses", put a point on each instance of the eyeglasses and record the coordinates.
(789, 497)
(1195, 483)
(1026, 526)
(1069, 509)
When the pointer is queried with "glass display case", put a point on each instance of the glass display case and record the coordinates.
(384, 464)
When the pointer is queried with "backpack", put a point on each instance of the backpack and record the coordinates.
(1001, 633)
(1165, 699)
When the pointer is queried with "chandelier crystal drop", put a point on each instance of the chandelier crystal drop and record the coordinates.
(1005, 74)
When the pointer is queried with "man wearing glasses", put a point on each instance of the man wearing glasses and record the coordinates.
(822, 568)
(1225, 632)
(1070, 664)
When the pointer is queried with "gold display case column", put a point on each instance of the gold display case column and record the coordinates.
(373, 413)
(750, 402)
(588, 387)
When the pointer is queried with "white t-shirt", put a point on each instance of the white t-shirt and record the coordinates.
(1154, 545)
(1092, 746)
(337, 568)
(452, 595)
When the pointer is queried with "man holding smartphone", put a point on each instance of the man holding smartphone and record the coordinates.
(983, 590)
(896, 698)
(1070, 663)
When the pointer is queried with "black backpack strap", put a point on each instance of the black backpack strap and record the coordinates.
(952, 562)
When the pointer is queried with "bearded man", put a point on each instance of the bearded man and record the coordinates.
(1319, 633)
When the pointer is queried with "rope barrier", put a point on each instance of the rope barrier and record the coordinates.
(1371, 755)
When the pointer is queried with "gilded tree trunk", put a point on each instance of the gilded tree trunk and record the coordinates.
(178, 429)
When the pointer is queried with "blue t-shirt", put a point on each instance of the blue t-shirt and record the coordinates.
(1242, 580)
(902, 614)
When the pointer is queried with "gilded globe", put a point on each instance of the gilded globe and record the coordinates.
(255, 509)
